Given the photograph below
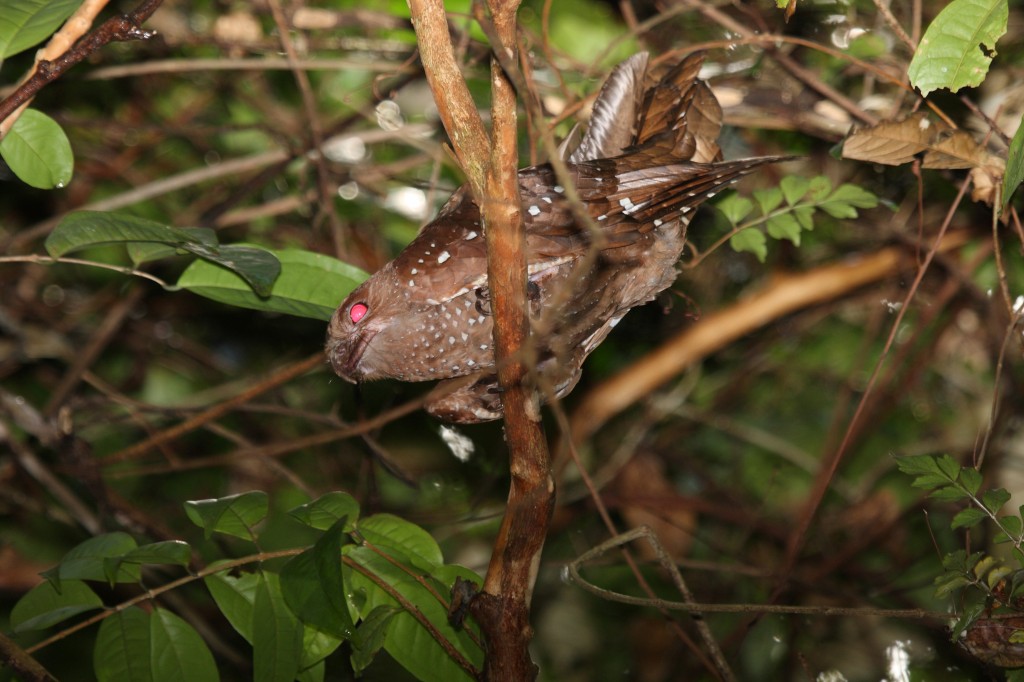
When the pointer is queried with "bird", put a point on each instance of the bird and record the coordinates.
(648, 159)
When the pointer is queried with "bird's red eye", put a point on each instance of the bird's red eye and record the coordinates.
(357, 311)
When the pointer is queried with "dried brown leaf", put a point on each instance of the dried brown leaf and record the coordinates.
(892, 142)
(955, 149)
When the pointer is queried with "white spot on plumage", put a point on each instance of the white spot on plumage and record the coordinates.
(710, 194)
(483, 346)
(451, 340)
(546, 200)
(443, 257)
(658, 222)
(602, 216)
(412, 283)
(685, 209)
(558, 189)
(627, 204)
(471, 235)
(465, 336)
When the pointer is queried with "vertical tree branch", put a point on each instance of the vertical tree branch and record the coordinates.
(502, 608)
(454, 103)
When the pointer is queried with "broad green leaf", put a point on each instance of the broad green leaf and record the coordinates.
(958, 46)
(122, 648)
(257, 267)
(144, 252)
(136, 646)
(1012, 524)
(372, 634)
(407, 640)
(735, 208)
(313, 587)
(794, 188)
(994, 499)
(177, 650)
(83, 229)
(971, 479)
(986, 564)
(168, 552)
(254, 267)
(44, 606)
(997, 574)
(945, 584)
(324, 511)
(805, 216)
(1014, 174)
(768, 199)
(87, 561)
(235, 515)
(917, 464)
(750, 241)
(948, 466)
(387, 530)
(784, 226)
(968, 518)
(949, 494)
(24, 23)
(854, 195)
(929, 481)
(820, 187)
(37, 150)
(310, 285)
(235, 597)
(276, 634)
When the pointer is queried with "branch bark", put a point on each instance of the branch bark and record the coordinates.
(502, 608)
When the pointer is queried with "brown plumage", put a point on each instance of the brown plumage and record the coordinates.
(648, 159)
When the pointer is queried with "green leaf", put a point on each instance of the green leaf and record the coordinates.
(24, 23)
(87, 561)
(1012, 524)
(750, 241)
(136, 646)
(310, 285)
(178, 652)
(411, 541)
(854, 195)
(993, 500)
(144, 252)
(122, 648)
(946, 584)
(949, 494)
(1014, 173)
(970, 479)
(255, 268)
(38, 151)
(313, 587)
(83, 229)
(997, 574)
(968, 518)
(957, 48)
(805, 216)
(948, 466)
(235, 515)
(820, 188)
(407, 640)
(768, 199)
(735, 208)
(987, 563)
(276, 634)
(372, 634)
(784, 226)
(235, 596)
(173, 552)
(917, 464)
(324, 511)
(794, 188)
(44, 606)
